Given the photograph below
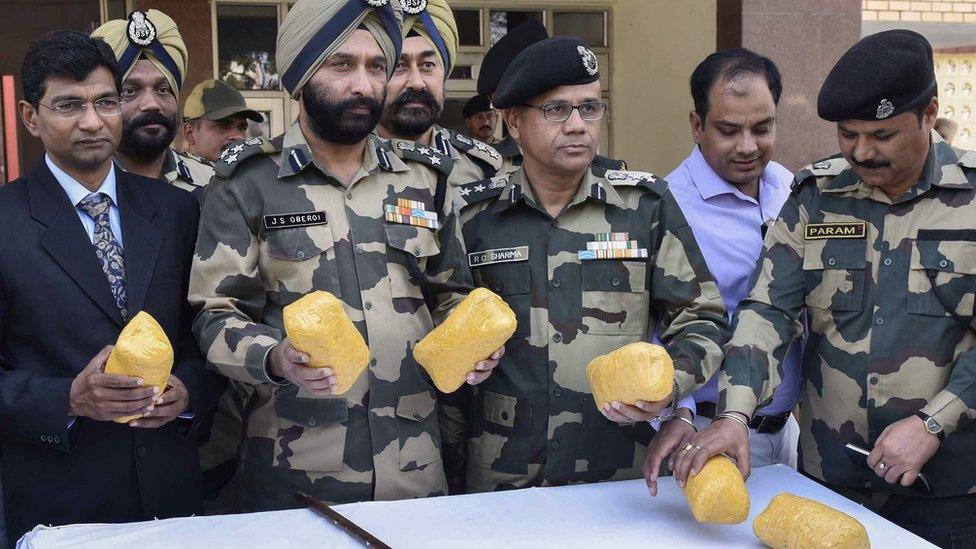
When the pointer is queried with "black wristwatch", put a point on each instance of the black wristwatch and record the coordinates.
(931, 425)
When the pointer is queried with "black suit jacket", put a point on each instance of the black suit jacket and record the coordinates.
(56, 313)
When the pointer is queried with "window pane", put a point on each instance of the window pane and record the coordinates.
(588, 27)
(115, 10)
(246, 38)
(500, 22)
(469, 27)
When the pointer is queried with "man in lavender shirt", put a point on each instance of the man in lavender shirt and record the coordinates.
(730, 192)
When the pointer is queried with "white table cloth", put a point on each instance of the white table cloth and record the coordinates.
(621, 514)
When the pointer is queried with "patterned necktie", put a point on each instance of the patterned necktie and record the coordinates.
(107, 248)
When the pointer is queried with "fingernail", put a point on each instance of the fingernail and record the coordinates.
(156, 390)
(640, 404)
(158, 401)
(470, 377)
(606, 407)
(479, 366)
(681, 484)
(616, 405)
(328, 371)
(140, 382)
(133, 424)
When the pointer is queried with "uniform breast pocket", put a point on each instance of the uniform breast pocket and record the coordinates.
(614, 298)
(833, 272)
(510, 281)
(409, 249)
(310, 434)
(940, 266)
(303, 259)
(499, 440)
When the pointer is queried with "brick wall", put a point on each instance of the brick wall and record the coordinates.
(948, 11)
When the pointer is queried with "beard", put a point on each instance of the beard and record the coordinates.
(147, 145)
(408, 121)
(332, 121)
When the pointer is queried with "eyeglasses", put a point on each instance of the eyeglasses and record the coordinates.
(560, 111)
(74, 108)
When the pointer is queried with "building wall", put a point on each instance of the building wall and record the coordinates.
(805, 39)
(655, 46)
(951, 11)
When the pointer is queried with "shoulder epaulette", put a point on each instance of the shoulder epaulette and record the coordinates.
(626, 178)
(238, 151)
(477, 149)
(828, 167)
(482, 190)
(409, 150)
(608, 163)
(967, 159)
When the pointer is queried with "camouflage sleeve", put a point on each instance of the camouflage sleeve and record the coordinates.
(448, 276)
(768, 320)
(692, 318)
(226, 288)
(955, 406)
(452, 412)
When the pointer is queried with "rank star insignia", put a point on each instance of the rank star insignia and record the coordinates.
(140, 29)
(589, 60)
(237, 148)
(479, 188)
(224, 154)
(413, 7)
(434, 161)
(465, 192)
(231, 159)
(423, 150)
(885, 108)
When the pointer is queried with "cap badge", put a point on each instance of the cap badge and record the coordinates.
(589, 60)
(141, 31)
(377, 3)
(885, 109)
(413, 7)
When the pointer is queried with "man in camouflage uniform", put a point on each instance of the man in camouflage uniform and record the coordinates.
(152, 59)
(415, 96)
(214, 115)
(320, 208)
(878, 247)
(589, 261)
(493, 69)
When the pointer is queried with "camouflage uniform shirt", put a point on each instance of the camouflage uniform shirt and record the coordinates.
(276, 226)
(188, 172)
(534, 421)
(880, 344)
(473, 160)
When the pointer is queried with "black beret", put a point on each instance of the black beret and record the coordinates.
(476, 104)
(882, 75)
(543, 66)
(501, 54)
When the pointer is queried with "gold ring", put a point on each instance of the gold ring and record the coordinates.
(697, 448)
(688, 446)
(882, 466)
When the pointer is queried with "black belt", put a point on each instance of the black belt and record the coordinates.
(762, 424)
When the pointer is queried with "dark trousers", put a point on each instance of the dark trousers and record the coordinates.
(948, 522)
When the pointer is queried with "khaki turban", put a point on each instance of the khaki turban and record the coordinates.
(436, 24)
(153, 34)
(313, 29)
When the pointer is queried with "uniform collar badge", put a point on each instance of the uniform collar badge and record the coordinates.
(589, 60)
(885, 108)
(383, 159)
(140, 29)
(377, 3)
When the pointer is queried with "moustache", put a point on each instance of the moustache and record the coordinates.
(419, 96)
(356, 102)
(486, 128)
(871, 164)
(149, 118)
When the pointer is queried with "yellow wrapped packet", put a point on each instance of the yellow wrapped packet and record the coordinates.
(318, 326)
(475, 329)
(638, 371)
(718, 493)
(142, 351)
(792, 521)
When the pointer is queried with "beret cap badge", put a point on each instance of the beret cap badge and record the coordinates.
(414, 7)
(589, 60)
(885, 108)
(140, 29)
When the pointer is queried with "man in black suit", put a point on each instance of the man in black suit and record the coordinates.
(85, 246)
